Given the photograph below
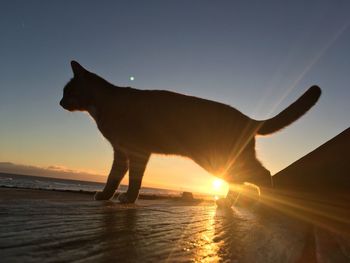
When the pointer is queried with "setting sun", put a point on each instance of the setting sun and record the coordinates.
(219, 187)
(217, 184)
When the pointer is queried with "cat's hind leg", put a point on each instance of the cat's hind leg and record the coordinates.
(137, 167)
(249, 171)
(118, 171)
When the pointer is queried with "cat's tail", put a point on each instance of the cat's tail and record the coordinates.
(291, 113)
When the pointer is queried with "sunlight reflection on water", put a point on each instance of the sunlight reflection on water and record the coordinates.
(207, 248)
(72, 227)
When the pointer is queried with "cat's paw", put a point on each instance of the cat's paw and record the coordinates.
(102, 196)
(123, 198)
(224, 202)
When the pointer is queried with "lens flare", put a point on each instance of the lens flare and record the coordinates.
(217, 184)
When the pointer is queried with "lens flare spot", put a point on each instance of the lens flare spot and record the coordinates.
(217, 184)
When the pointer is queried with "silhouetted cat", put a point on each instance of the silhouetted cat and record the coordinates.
(138, 123)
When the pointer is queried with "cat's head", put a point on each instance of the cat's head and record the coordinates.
(77, 94)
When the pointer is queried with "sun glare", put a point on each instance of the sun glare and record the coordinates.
(217, 184)
(219, 188)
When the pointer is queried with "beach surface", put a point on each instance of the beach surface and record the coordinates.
(51, 226)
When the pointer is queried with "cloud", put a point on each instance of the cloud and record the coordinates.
(54, 171)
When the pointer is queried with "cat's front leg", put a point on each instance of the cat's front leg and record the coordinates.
(228, 201)
(119, 169)
(137, 166)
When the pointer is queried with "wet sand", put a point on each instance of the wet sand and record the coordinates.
(49, 226)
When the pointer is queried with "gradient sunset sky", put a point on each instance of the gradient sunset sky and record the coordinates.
(257, 56)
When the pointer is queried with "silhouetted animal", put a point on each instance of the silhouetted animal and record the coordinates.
(138, 123)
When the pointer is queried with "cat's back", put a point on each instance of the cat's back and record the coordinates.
(166, 118)
(162, 106)
(168, 101)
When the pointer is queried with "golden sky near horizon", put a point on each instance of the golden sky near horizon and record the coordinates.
(176, 173)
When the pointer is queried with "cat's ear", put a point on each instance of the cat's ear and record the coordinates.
(78, 70)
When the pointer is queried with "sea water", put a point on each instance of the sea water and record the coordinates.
(47, 183)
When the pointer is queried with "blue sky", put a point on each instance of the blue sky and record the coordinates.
(257, 56)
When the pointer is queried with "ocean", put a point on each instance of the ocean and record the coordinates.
(48, 183)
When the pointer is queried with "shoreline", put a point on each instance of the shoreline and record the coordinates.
(92, 193)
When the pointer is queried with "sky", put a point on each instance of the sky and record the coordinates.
(257, 56)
